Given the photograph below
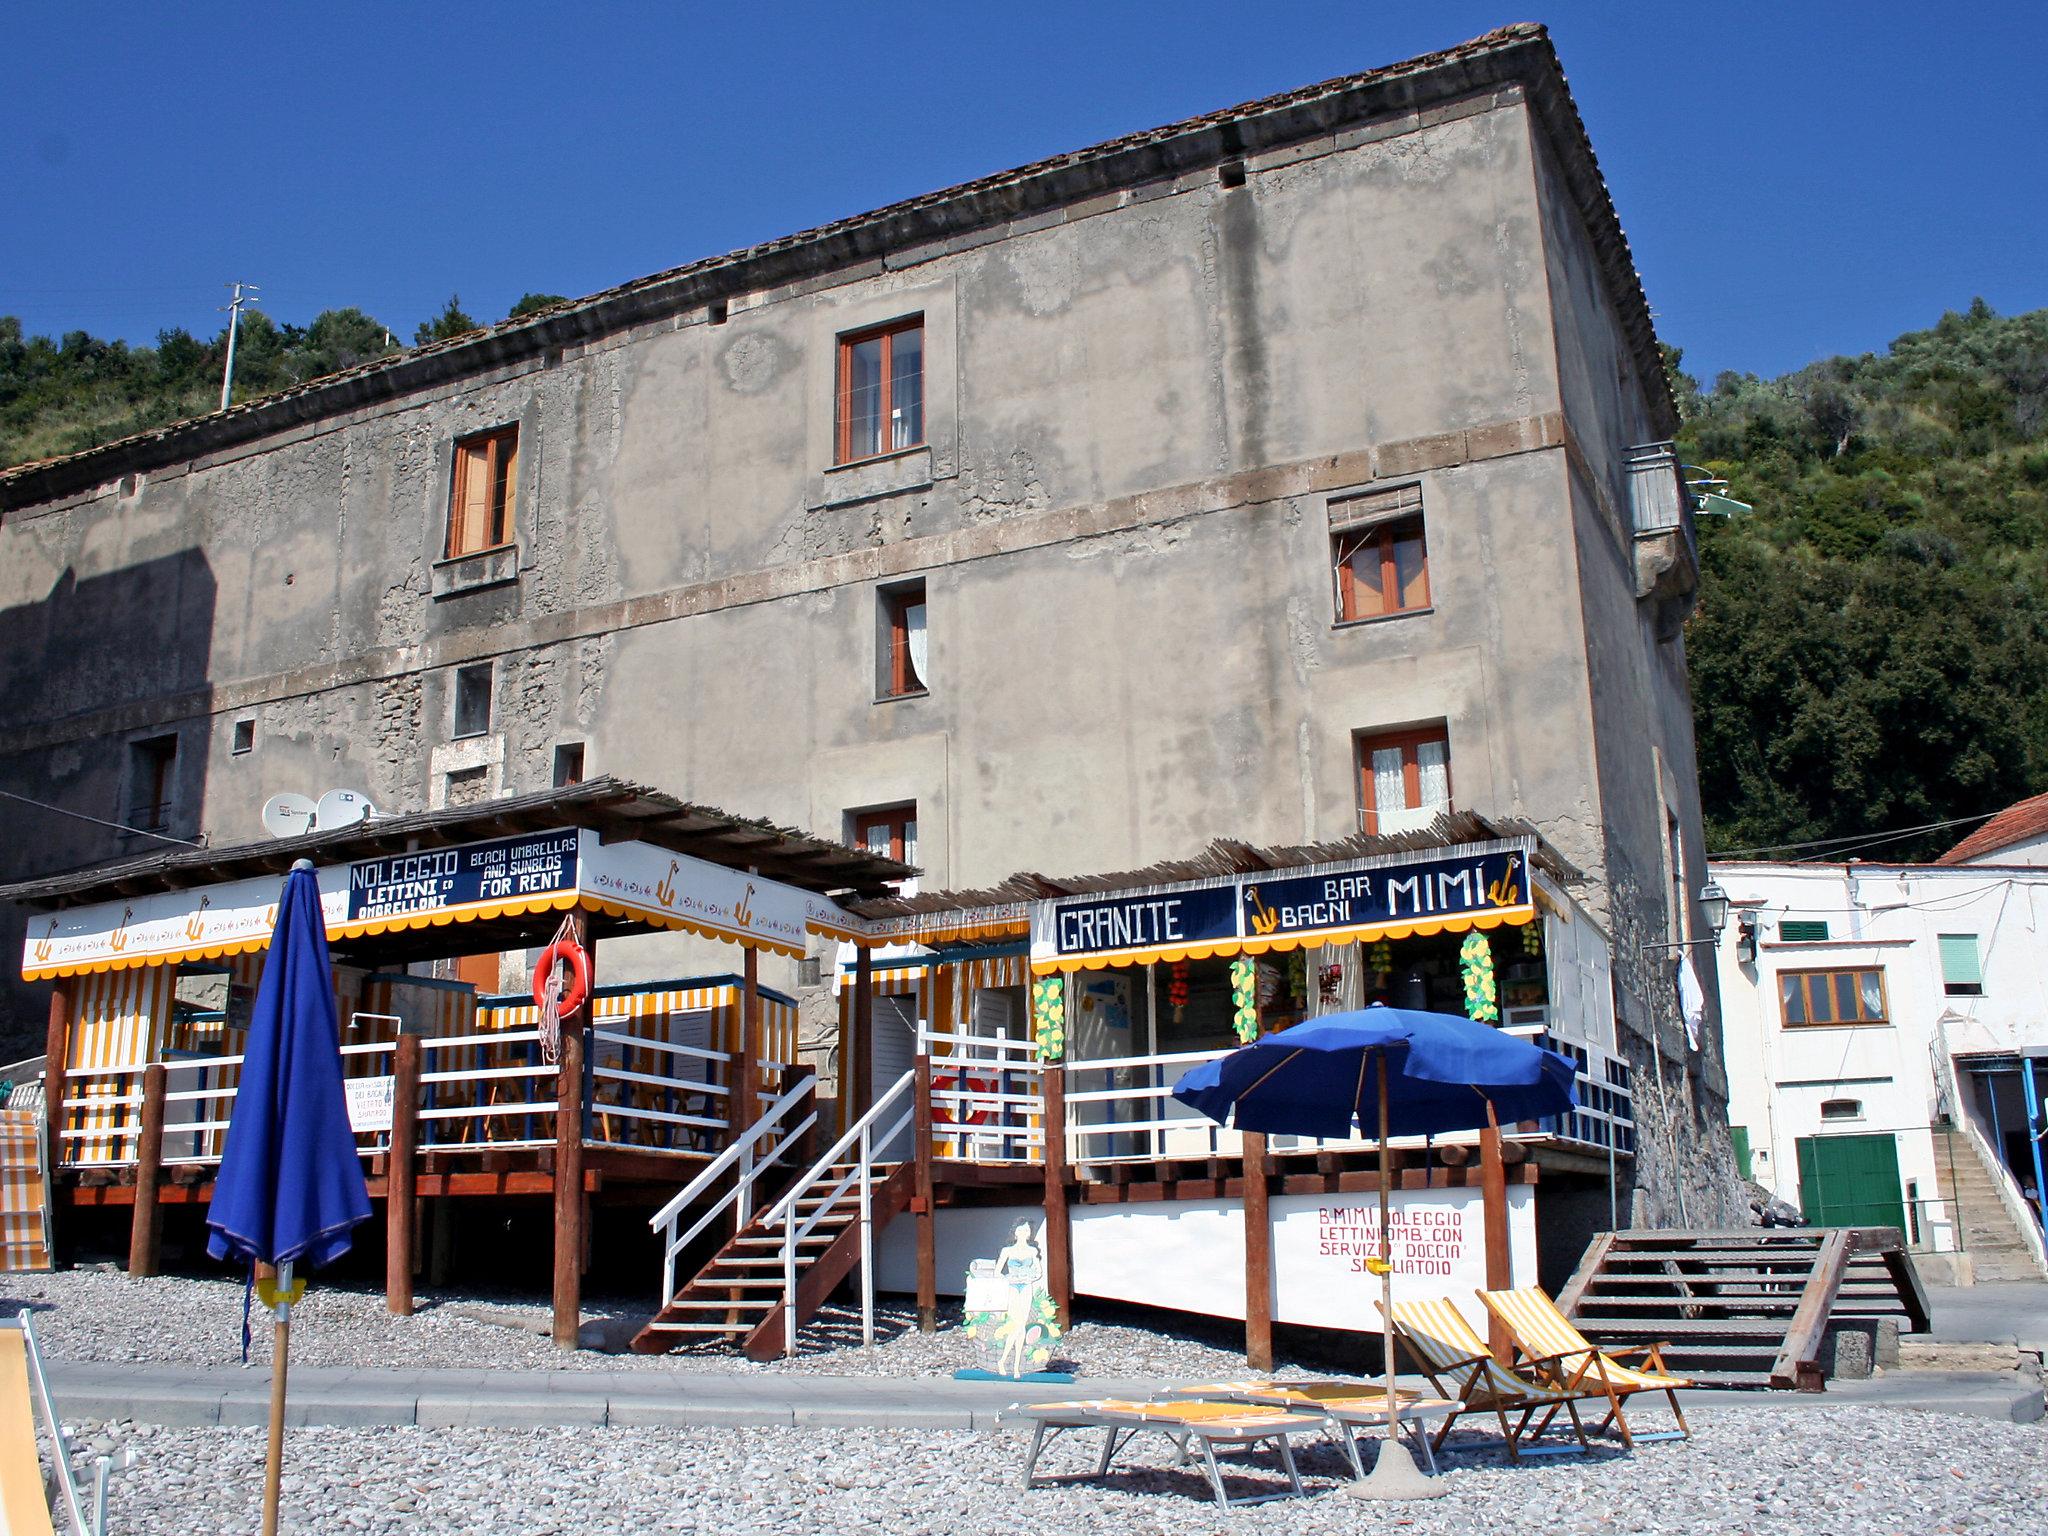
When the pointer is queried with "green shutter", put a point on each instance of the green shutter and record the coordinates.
(1959, 967)
(1803, 932)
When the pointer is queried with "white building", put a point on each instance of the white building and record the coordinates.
(1884, 1025)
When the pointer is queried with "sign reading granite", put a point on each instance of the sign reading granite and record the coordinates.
(1401, 892)
(432, 879)
(1145, 922)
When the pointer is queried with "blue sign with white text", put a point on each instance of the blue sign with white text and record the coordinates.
(1086, 927)
(510, 869)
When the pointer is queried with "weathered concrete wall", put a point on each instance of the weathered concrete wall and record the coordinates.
(1137, 416)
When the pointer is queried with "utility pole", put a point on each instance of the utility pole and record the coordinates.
(234, 313)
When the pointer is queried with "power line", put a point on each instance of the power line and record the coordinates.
(1863, 839)
(45, 805)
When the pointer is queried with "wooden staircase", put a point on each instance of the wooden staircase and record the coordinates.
(737, 1297)
(1749, 1307)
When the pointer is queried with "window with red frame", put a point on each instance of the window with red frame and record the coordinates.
(903, 659)
(1404, 778)
(881, 390)
(1378, 554)
(892, 833)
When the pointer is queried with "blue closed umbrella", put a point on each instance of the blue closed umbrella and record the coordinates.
(290, 1186)
(1391, 1072)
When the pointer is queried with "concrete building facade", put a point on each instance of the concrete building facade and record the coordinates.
(1109, 448)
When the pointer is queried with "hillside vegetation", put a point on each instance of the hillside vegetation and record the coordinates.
(1871, 642)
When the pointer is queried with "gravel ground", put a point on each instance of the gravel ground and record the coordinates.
(103, 1315)
(1797, 1471)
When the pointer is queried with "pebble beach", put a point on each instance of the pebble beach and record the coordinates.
(1802, 1469)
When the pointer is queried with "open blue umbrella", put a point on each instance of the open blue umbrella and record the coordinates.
(1391, 1072)
(290, 1186)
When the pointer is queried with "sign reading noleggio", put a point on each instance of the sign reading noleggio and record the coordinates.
(510, 869)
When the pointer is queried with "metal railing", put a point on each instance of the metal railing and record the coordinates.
(752, 1154)
(856, 1181)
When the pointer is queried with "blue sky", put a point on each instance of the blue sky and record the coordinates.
(1796, 179)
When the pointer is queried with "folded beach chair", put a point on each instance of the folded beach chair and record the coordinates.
(1346, 1407)
(1207, 1425)
(24, 1391)
(1567, 1361)
(1459, 1365)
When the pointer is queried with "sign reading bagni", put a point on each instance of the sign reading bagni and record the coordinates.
(1388, 896)
(539, 871)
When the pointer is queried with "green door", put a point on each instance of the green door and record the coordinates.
(1851, 1181)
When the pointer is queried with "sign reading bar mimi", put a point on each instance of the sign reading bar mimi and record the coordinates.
(1400, 893)
(510, 869)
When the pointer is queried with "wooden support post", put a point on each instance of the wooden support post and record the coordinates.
(401, 1204)
(1493, 1196)
(744, 1101)
(571, 1208)
(146, 1226)
(57, 1048)
(1059, 1258)
(857, 1077)
(1258, 1257)
(807, 1143)
(927, 1217)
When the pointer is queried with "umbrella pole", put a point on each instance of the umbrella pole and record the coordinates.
(273, 1463)
(1387, 1257)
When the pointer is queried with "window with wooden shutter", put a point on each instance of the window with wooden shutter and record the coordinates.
(1378, 555)
(480, 501)
(1800, 932)
(1962, 973)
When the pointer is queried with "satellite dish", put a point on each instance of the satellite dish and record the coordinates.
(342, 808)
(288, 815)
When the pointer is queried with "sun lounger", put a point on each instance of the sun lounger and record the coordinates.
(25, 1393)
(1568, 1361)
(1459, 1365)
(1206, 1425)
(1346, 1406)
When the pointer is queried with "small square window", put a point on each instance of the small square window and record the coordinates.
(903, 660)
(245, 737)
(881, 390)
(1404, 779)
(1378, 556)
(892, 833)
(480, 501)
(568, 764)
(469, 786)
(472, 700)
(1841, 1109)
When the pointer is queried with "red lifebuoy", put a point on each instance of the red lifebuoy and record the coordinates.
(943, 1109)
(578, 986)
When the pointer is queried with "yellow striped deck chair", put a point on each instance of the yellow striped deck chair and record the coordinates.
(1461, 1368)
(24, 1193)
(1567, 1360)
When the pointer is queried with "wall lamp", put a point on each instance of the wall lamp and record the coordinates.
(1714, 908)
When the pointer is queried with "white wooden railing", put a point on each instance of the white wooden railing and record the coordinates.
(1121, 1122)
(874, 1133)
(464, 1102)
(749, 1157)
(987, 1098)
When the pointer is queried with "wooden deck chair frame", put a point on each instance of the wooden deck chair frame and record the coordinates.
(1586, 1369)
(1123, 1422)
(1475, 1393)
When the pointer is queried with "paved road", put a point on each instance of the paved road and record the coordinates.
(1998, 1312)
(185, 1396)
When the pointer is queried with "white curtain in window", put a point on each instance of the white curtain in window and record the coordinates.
(913, 628)
(1389, 787)
(1433, 770)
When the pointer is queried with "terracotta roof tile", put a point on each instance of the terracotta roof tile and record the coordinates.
(2014, 824)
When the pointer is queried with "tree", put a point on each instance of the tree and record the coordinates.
(447, 325)
(532, 302)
